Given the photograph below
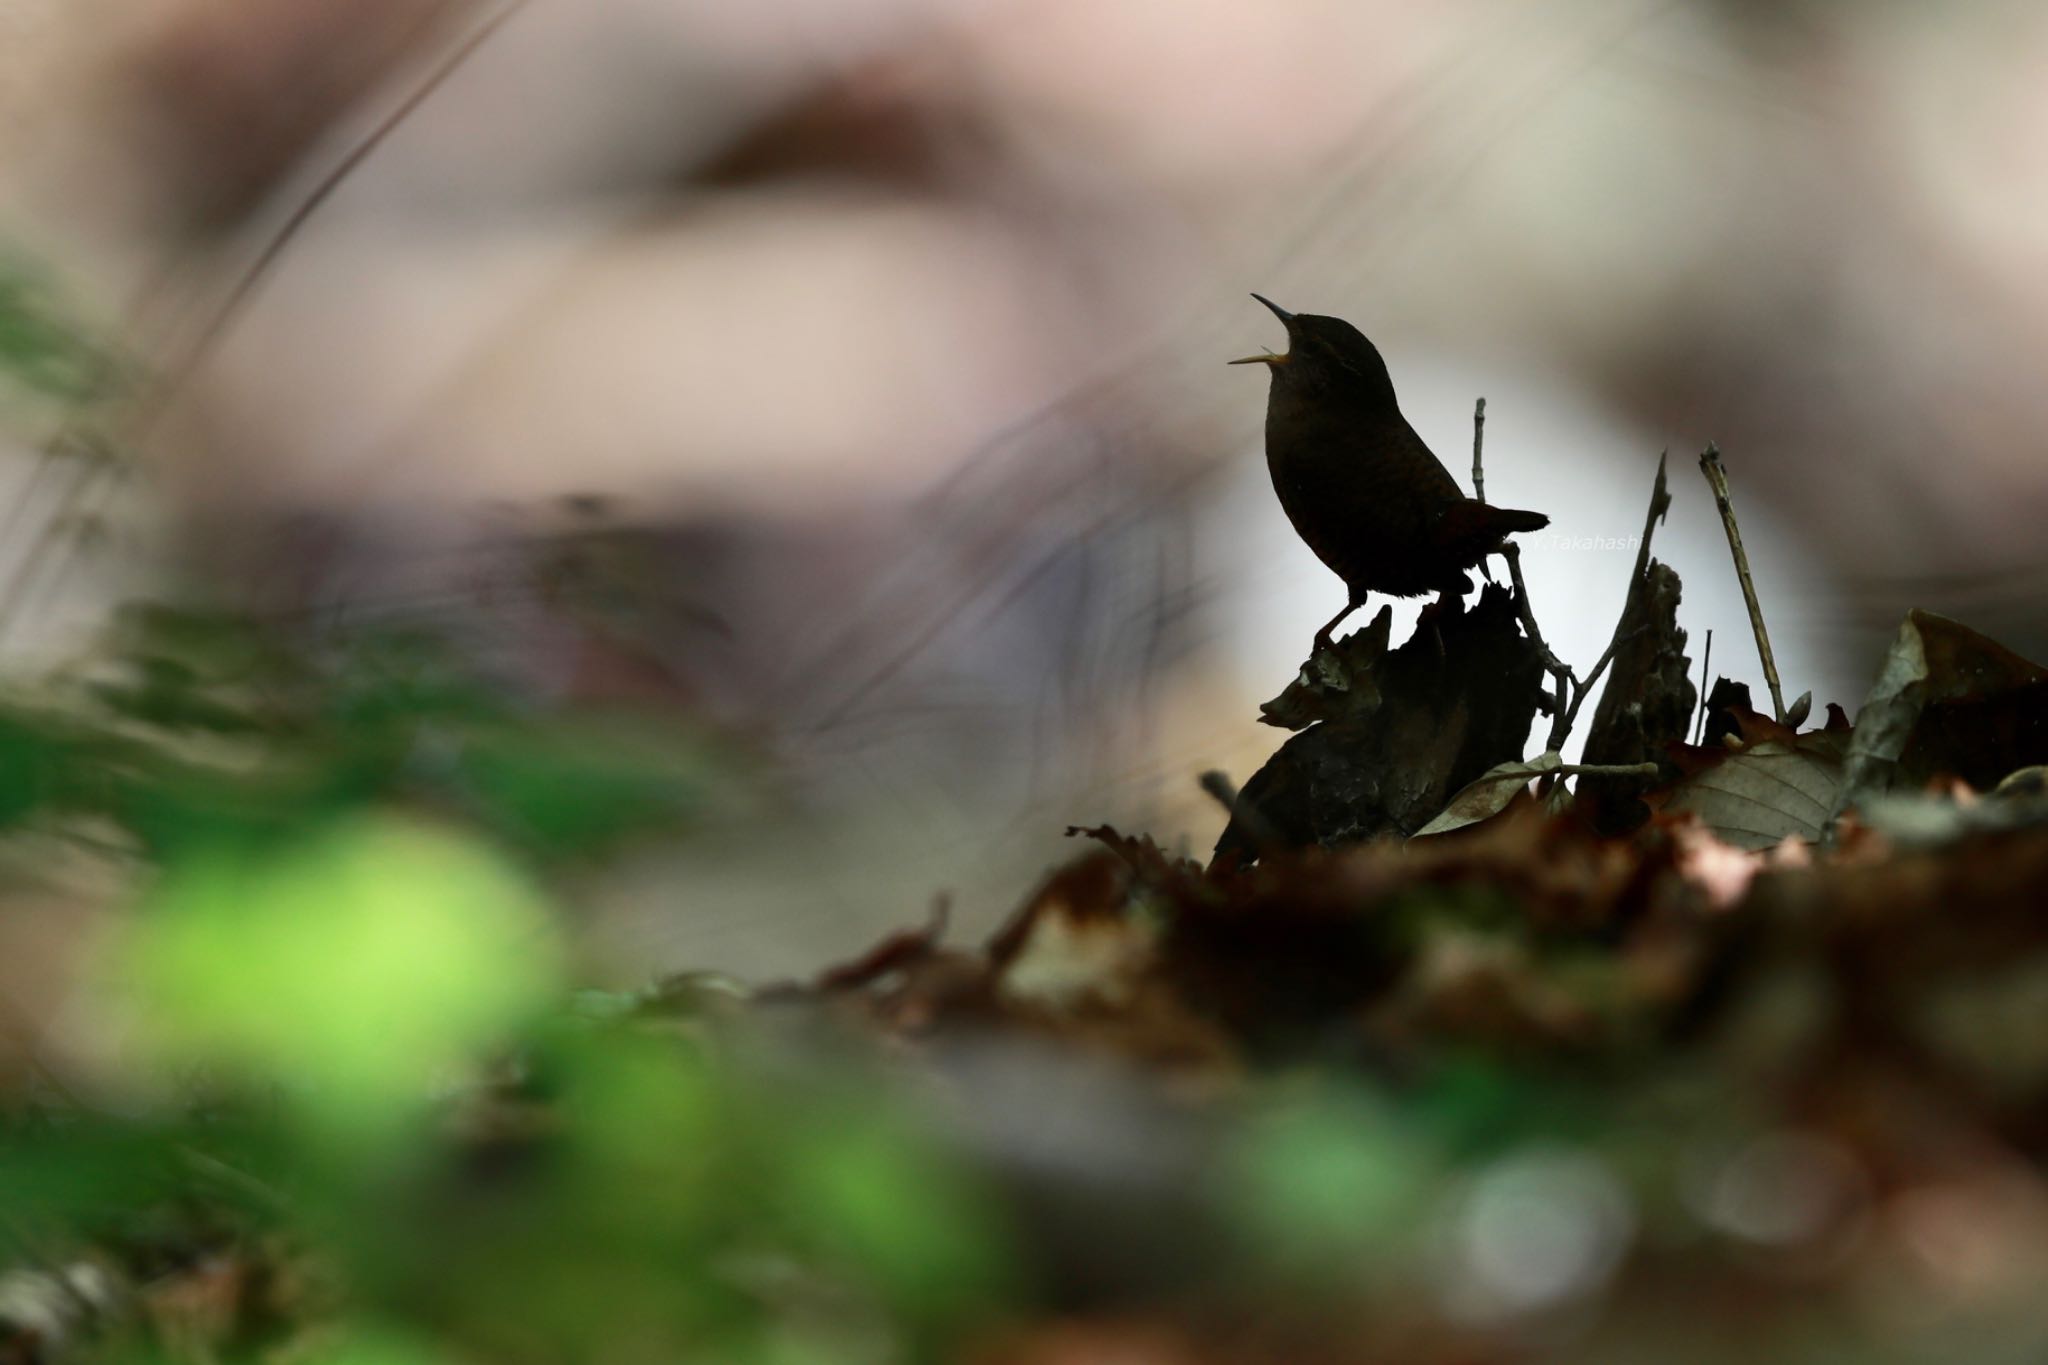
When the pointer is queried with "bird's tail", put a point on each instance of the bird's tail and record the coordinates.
(1482, 524)
(1508, 521)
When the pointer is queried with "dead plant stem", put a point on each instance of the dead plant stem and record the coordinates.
(1717, 479)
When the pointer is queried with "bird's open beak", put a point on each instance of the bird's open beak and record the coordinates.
(1278, 311)
(1269, 358)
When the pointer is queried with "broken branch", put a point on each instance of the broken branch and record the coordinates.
(1478, 441)
(1717, 479)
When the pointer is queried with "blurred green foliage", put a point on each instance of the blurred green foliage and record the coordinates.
(348, 1049)
(43, 352)
(348, 1057)
(203, 727)
(349, 1043)
(1330, 1181)
(352, 970)
(674, 1197)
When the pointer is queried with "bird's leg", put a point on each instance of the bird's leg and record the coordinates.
(1323, 636)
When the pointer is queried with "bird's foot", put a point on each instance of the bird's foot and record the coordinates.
(1323, 640)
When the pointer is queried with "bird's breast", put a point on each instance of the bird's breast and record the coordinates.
(1363, 493)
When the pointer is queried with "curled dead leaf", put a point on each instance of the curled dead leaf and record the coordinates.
(1490, 793)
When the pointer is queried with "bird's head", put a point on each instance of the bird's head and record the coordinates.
(1327, 355)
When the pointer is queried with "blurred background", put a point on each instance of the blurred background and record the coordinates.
(851, 376)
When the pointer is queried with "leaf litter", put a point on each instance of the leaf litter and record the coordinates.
(1727, 1032)
(1765, 951)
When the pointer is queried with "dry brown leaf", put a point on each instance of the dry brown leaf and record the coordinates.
(1947, 701)
(1763, 793)
(1490, 793)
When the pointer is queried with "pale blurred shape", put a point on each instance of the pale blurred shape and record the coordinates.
(851, 346)
(1977, 1240)
(1787, 1189)
(1969, 1249)
(1205, 95)
(1535, 1230)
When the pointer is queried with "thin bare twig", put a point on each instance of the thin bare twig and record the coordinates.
(245, 287)
(45, 457)
(1573, 770)
(1706, 680)
(1478, 441)
(72, 438)
(71, 504)
(16, 586)
(1644, 769)
(1717, 479)
(1557, 667)
(1660, 504)
(1512, 553)
(157, 397)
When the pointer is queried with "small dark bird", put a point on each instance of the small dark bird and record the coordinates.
(1359, 485)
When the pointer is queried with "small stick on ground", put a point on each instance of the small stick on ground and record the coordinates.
(1572, 770)
(1717, 479)
(1706, 681)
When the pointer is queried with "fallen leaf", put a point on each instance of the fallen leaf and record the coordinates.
(1452, 701)
(1947, 700)
(1757, 795)
(1489, 794)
